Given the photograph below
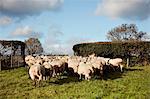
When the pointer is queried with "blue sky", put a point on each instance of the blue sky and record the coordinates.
(59, 24)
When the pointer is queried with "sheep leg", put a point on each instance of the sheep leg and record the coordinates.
(80, 76)
(39, 83)
(34, 83)
(101, 73)
(40, 77)
(50, 74)
(34, 80)
(54, 73)
(87, 77)
(121, 66)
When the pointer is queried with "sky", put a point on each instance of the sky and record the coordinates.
(59, 24)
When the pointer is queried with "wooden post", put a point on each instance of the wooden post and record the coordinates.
(127, 62)
(18, 60)
(11, 57)
(23, 52)
(0, 63)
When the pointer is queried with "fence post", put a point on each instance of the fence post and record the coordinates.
(127, 62)
(11, 57)
(18, 61)
(0, 63)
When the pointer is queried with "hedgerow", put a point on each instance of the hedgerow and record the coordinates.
(137, 52)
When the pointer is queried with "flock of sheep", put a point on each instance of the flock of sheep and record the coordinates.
(42, 66)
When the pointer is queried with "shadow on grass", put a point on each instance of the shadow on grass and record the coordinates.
(63, 80)
(67, 80)
(108, 75)
(112, 75)
(132, 69)
(70, 79)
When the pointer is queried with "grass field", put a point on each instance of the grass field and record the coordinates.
(134, 83)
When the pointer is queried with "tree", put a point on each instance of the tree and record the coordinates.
(33, 46)
(130, 37)
(126, 32)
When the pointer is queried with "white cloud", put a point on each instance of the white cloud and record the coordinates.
(52, 41)
(63, 48)
(130, 9)
(5, 20)
(72, 41)
(54, 45)
(25, 32)
(21, 8)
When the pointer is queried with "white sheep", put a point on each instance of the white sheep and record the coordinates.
(73, 64)
(97, 64)
(59, 66)
(29, 57)
(36, 73)
(86, 70)
(117, 62)
(30, 60)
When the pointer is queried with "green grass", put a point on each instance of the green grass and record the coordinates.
(134, 83)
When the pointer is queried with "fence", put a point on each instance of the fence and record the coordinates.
(12, 54)
(9, 62)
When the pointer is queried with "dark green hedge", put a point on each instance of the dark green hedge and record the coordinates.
(138, 52)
